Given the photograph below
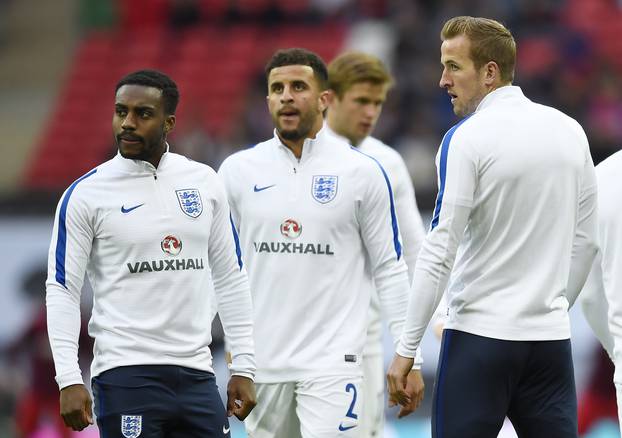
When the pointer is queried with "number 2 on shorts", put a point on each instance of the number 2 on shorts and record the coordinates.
(350, 413)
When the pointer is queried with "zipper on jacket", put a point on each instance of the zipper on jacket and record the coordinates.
(161, 201)
(296, 191)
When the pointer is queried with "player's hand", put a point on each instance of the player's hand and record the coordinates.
(76, 407)
(438, 327)
(415, 389)
(397, 381)
(241, 398)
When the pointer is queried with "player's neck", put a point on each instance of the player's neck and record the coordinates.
(296, 145)
(356, 142)
(157, 155)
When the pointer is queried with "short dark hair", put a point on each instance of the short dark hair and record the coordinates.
(299, 56)
(155, 79)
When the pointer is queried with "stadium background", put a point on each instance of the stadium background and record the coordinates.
(59, 62)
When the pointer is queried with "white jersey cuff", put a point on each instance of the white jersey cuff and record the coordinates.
(243, 365)
(68, 379)
(406, 352)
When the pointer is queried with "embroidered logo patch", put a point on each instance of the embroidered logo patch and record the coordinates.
(324, 188)
(190, 202)
(171, 245)
(131, 425)
(290, 228)
(127, 210)
(261, 189)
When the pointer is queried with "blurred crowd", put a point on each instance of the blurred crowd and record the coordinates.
(558, 65)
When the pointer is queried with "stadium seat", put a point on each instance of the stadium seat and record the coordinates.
(214, 68)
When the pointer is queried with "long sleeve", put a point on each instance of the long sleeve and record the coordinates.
(410, 224)
(595, 307)
(457, 183)
(72, 238)
(408, 217)
(610, 238)
(605, 275)
(380, 233)
(584, 246)
(231, 286)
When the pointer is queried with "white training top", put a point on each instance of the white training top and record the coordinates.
(305, 227)
(408, 219)
(516, 210)
(155, 244)
(606, 276)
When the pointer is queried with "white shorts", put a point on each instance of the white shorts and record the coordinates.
(324, 407)
(372, 418)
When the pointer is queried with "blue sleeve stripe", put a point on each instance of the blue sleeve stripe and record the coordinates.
(61, 241)
(396, 232)
(236, 238)
(443, 172)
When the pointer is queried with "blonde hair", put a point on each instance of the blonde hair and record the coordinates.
(490, 41)
(353, 67)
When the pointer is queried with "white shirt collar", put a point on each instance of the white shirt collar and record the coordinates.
(141, 166)
(310, 143)
(501, 93)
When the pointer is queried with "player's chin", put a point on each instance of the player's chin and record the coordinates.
(289, 134)
(131, 151)
(459, 111)
(363, 133)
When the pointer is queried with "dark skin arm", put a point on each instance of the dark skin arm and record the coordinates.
(76, 407)
(241, 398)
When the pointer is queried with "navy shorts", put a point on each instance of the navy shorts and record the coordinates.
(482, 380)
(158, 401)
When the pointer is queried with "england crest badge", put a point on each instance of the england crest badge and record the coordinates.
(324, 188)
(131, 425)
(190, 202)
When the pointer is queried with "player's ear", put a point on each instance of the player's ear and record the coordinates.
(323, 100)
(169, 123)
(492, 74)
(331, 96)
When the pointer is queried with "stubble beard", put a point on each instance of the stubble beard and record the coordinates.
(470, 106)
(299, 133)
(149, 148)
(292, 134)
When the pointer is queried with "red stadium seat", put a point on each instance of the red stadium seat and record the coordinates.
(213, 67)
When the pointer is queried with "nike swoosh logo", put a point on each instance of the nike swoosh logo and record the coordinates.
(259, 189)
(225, 430)
(344, 428)
(127, 210)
